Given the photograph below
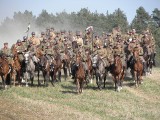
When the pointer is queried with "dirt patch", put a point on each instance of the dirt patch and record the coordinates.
(28, 109)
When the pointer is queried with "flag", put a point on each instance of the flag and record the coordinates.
(28, 28)
(90, 28)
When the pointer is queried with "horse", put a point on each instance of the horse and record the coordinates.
(16, 70)
(29, 67)
(137, 68)
(100, 71)
(150, 62)
(66, 63)
(4, 70)
(80, 74)
(47, 68)
(57, 63)
(117, 72)
(16, 66)
(90, 68)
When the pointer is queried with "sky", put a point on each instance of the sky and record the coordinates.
(8, 7)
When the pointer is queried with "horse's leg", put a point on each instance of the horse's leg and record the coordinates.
(77, 83)
(115, 82)
(105, 81)
(81, 85)
(118, 83)
(97, 77)
(141, 81)
(38, 76)
(47, 78)
(55, 72)
(44, 77)
(69, 69)
(59, 75)
(52, 81)
(136, 78)
(26, 74)
(65, 72)
(3, 81)
(14, 79)
(31, 77)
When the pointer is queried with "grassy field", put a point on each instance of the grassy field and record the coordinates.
(61, 102)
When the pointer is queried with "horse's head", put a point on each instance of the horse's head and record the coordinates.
(117, 60)
(26, 56)
(78, 59)
(95, 61)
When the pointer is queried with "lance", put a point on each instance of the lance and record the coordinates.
(28, 28)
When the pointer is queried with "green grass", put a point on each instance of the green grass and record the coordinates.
(62, 102)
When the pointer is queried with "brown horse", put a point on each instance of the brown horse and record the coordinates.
(16, 66)
(4, 70)
(137, 68)
(46, 66)
(117, 72)
(80, 74)
(16, 69)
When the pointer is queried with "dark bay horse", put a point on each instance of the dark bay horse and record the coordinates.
(80, 74)
(47, 68)
(137, 68)
(57, 63)
(117, 72)
(4, 70)
(89, 75)
(100, 71)
(149, 63)
(45, 65)
(66, 63)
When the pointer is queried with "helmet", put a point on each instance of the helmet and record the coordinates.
(42, 33)
(77, 33)
(52, 28)
(33, 33)
(18, 41)
(24, 37)
(5, 43)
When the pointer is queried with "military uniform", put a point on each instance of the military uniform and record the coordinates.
(7, 53)
(20, 48)
(49, 52)
(102, 54)
(35, 41)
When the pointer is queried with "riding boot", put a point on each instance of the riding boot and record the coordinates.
(73, 70)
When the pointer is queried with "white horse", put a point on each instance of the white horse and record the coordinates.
(29, 67)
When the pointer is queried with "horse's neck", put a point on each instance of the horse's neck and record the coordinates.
(80, 68)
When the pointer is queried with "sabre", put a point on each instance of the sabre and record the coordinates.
(90, 28)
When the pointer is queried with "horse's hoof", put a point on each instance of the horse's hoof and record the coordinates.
(5, 86)
(141, 82)
(91, 81)
(118, 89)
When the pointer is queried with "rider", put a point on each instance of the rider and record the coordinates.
(34, 39)
(6, 51)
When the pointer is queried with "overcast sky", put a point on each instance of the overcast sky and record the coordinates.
(8, 7)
